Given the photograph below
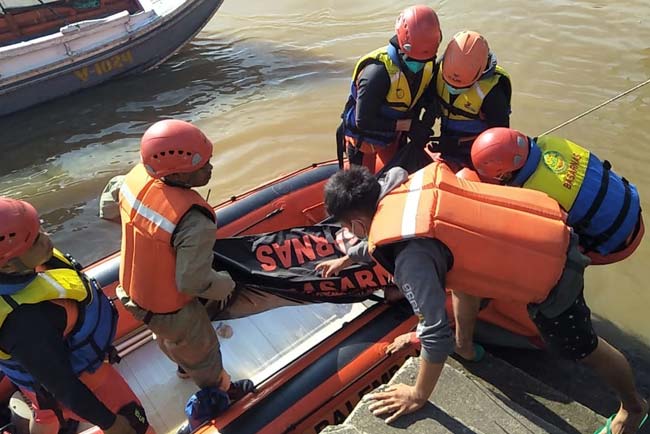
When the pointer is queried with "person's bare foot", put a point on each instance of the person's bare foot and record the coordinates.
(628, 421)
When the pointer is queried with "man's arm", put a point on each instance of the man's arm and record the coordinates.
(496, 106)
(373, 84)
(358, 253)
(109, 207)
(430, 102)
(193, 240)
(33, 335)
(420, 269)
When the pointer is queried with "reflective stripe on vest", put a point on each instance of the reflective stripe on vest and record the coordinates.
(507, 243)
(411, 205)
(603, 207)
(89, 341)
(145, 212)
(399, 101)
(463, 117)
(150, 211)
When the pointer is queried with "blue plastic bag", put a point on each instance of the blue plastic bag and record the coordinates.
(206, 404)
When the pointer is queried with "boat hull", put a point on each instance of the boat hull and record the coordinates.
(322, 385)
(134, 56)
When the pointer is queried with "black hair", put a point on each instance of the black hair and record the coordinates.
(352, 191)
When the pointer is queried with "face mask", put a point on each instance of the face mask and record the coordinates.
(454, 91)
(414, 66)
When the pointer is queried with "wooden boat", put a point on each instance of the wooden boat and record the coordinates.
(51, 48)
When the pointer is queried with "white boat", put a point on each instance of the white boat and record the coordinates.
(53, 48)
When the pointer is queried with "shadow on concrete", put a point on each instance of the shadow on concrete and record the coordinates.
(574, 381)
(535, 407)
(430, 411)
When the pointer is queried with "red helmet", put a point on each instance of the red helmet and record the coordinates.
(465, 59)
(19, 229)
(499, 151)
(173, 146)
(418, 32)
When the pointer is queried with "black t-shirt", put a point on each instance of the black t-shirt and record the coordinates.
(33, 335)
(496, 105)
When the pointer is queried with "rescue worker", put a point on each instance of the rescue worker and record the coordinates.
(56, 329)
(432, 229)
(386, 93)
(473, 93)
(604, 209)
(465, 308)
(168, 231)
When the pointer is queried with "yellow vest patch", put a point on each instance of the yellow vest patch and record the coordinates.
(561, 170)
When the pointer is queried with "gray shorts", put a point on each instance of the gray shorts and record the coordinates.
(570, 285)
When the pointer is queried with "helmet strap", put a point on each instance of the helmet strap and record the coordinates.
(175, 183)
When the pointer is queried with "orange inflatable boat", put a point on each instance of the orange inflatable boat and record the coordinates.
(333, 354)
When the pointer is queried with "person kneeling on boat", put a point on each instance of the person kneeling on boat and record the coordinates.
(56, 329)
(473, 92)
(434, 229)
(604, 208)
(387, 90)
(168, 231)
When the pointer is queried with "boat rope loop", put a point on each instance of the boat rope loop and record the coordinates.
(593, 109)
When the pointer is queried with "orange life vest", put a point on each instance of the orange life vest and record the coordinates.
(506, 243)
(150, 211)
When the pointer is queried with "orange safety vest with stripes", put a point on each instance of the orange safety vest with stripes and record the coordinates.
(150, 211)
(506, 243)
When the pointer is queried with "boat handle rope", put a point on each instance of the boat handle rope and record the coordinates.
(273, 213)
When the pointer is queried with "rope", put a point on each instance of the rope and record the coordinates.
(593, 109)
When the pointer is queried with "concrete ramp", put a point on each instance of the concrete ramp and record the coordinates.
(465, 403)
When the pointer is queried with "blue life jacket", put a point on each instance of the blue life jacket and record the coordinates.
(90, 340)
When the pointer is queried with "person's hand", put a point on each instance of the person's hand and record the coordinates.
(444, 145)
(333, 267)
(120, 426)
(398, 399)
(400, 342)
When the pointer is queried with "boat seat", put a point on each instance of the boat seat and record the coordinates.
(90, 24)
(26, 23)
